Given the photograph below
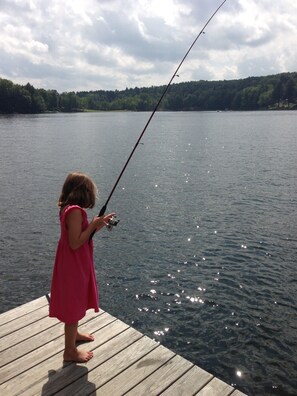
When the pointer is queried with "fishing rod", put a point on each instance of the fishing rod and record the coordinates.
(113, 221)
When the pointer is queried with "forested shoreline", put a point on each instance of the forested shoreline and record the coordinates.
(277, 91)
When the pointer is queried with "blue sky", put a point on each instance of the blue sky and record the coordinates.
(75, 45)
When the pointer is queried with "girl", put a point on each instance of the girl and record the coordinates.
(74, 288)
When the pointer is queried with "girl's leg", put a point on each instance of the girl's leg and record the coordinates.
(71, 353)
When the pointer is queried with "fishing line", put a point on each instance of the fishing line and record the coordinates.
(104, 207)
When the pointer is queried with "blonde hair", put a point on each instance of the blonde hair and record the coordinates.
(78, 189)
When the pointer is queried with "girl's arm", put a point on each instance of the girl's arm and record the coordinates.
(76, 236)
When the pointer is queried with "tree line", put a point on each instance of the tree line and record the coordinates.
(253, 93)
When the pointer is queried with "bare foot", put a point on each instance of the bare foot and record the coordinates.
(77, 356)
(84, 337)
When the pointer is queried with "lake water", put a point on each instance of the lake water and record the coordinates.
(204, 257)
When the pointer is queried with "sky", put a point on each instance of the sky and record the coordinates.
(84, 45)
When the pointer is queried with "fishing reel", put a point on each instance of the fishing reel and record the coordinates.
(113, 221)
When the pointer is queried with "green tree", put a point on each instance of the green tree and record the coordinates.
(277, 92)
(290, 91)
(69, 102)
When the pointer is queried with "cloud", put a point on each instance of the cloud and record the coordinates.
(114, 44)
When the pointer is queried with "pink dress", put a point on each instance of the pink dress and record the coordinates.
(74, 287)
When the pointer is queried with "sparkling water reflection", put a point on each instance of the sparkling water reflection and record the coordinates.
(204, 258)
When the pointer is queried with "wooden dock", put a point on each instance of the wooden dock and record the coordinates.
(125, 361)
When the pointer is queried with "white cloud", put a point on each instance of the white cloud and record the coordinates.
(114, 44)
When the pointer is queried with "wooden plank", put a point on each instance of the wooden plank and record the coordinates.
(42, 346)
(238, 393)
(32, 340)
(134, 374)
(70, 379)
(190, 383)
(23, 321)
(109, 369)
(216, 387)
(17, 312)
(32, 380)
(48, 330)
(25, 333)
(159, 380)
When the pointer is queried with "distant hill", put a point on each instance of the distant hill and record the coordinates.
(277, 91)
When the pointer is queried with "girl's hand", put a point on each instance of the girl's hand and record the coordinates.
(100, 222)
(76, 236)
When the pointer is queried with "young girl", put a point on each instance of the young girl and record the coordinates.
(74, 288)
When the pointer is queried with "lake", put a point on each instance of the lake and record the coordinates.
(204, 257)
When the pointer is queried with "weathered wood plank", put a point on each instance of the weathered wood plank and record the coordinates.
(110, 369)
(16, 347)
(30, 330)
(190, 383)
(134, 374)
(48, 331)
(42, 346)
(23, 321)
(62, 382)
(17, 312)
(159, 380)
(238, 393)
(216, 387)
(25, 333)
(33, 380)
